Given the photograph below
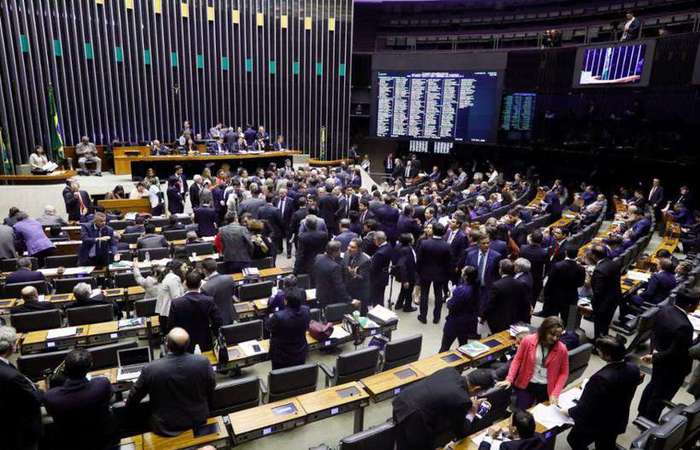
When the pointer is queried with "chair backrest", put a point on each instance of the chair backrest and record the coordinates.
(159, 221)
(200, 248)
(692, 413)
(37, 320)
(105, 356)
(235, 395)
(254, 291)
(154, 253)
(402, 351)
(381, 437)
(264, 263)
(242, 331)
(668, 435)
(315, 314)
(66, 285)
(132, 420)
(129, 238)
(334, 312)
(645, 325)
(145, 307)
(63, 260)
(13, 290)
(500, 400)
(175, 235)
(89, 314)
(352, 366)
(10, 264)
(291, 381)
(303, 281)
(34, 366)
(119, 224)
(126, 279)
(578, 361)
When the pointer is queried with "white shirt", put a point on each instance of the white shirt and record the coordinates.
(171, 288)
(539, 376)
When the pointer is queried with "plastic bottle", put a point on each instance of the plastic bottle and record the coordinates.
(197, 350)
(148, 256)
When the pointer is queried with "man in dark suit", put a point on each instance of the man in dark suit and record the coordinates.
(274, 226)
(406, 271)
(98, 242)
(365, 213)
(388, 218)
(431, 407)
(206, 218)
(671, 339)
(602, 411)
(656, 194)
(518, 232)
(379, 270)
(286, 207)
(253, 204)
(151, 239)
(327, 208)
(77, 202)
(80, 408)
(30, 297)
(288, 346)
(221, 288)
(521, 431)
(561, 290)
(328, 274)
(346, 203)
(20, 414)
(605, 284)
(181, 181)
(83, 295)
(180, 387)
(24, 273)
(641, 225)
(137, 227)
(196, 313)
(523, 274)
(407, 223)
(533, 252)
(434, 262)
(356, 264)
(508, 301)
(631, 27)
(310, 243)
(196, 189)
(485, 261)
(455, 237)
(345, 235)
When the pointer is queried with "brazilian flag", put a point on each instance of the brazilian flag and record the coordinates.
(7, 167)
(55, 130)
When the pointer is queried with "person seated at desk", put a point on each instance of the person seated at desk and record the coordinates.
(660, 284)
(217, 147)
(180, 251)
(288, 346)
(87, 152)
(80, 408)
(240, 145)
(50, 217)
(24, 273)
(180, 387)
(188, 148)
(158, 149)
(84, 297)
(173, 224)
(521, 433)
(39, 162)
(137, 227)
(150, 239)
(32, 234)
(30, 297)
(279, 144)
(116, 194)
(289, 287)
(98, 242)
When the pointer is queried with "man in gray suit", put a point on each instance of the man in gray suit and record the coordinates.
(7, 242)
(356, 265)
(221, 288)
(236, 245)
(253, 204)
(151, 239)
(180, 387)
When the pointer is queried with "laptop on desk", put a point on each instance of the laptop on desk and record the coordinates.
(131, 361)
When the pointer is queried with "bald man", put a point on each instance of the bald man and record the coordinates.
(30, 297)
(180, 386)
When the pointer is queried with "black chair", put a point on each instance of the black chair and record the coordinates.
(690, 412)
(578, 361)
(351, 366)
(119, 224)
(235, 395)
(666, 436)
(315, 314)
(35, 366)
(291, 381)
(61, 261)
(105, 356)
(402, 351)
(133, 420)
(38, 320)
(159, 221)
(126, 279)
(381, 437)
(645, 327)
(10, 264)
(145, 307)
(129, 238)
(66, 285)
(13, 290)
(500, 400)
(334, 312)
(89, 314)
(304, 281)
(175, 235)
(200, 248)
(264, 263)
(254, 291)
(154, 253)
(242, 331)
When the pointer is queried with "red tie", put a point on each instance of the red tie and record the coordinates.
(82, 205)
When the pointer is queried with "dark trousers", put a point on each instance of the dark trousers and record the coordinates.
(664, 383)
(376, 292)
(41, 256)
(580, 440)
(601, 321)
(405, 296)
(235, 266)
(438, 291)
(450, 334)
(533, 393)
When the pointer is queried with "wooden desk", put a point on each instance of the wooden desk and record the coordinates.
(264, 273)
(131, 443)
(55, 177)
(138, 205)
(506, 340)
(261, 421)
(330, 402)
(67, 247)
(432, 364)
(36, 341)
(387, 384)
(187, 440)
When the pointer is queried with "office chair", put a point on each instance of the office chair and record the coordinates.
(145, 307)
(351, 366)
(645, 326)
(666, 436)
(105, 356)
(200, 248)
(159, 221)
(37, 320)
(117, 225)
(381, 437)
(89, 314)
(154, 253)
(242, 331)
(315, 314)
(66, 285)
(254, 291)
(235, 395)
(334, 312)
(175, 235)
(402, 351)
(291, 381)
(35, 366)
(126, 279)
(264, 263)
(10, 264)
(61, 261)
(129, 238)
(578, 361)
(133, 420)
(14, 290)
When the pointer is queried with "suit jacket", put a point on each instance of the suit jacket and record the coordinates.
(357, 286)
(286, 216)
(388, 218)
(206, 220)
(536, 442)
(656, 196)
(7, 242)
(221, 289)
(194, 195)
(499, 246)
(538, 260)
(641, 227)
(564, 280)
(134, 229)
(102, 249)
(526, 279)
(73, 204)
(198, 315)
(605, 284)
(408, 225)
(519, 233)
(458, 245)
(20, 413)
(672, 337)
(344, 238)
(463, 307)
(310, 244)
(32, 307)
(434, 260)
(176, 202)
(508, 304)
(490, 269)
(379, 266)
(272, 217)
(659, 287)
(327, 208)
(288, 345)
(328, 275)
(24, 276)
(180, 388)
(81, 414)
(250, 205)
(405, 268)
(152, 241)
(604, 405)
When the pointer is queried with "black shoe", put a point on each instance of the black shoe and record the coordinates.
(98, 174)
(398, 306)
(436, 320)
(289, 256)
(410, 309)
(422, 320)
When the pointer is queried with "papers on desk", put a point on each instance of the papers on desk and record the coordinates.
(551, 416)
(310, 294)
(50, 166)
(473, 348)
(515, 330)
(61, 333)
(133, 322)
(636, 275)
(42, 298)
(251, 348)
(568, 399)
(495, 443)
(382, 315)
(339, 333)
(69, 271)
(130, 216)
(251, 272)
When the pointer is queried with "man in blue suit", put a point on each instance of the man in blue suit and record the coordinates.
(434, 267)
(388, 218)
(455, 237)
(486, 262)
(641, 225)
(659, 286)
(24, 273)
(379, 270)
(522, 433)
(98, 242)
(345, 235)
(196, 313)
(407, 223)
(206, 219)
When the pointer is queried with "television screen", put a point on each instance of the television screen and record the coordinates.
(518, 111)
(614, 65)
(447, 105)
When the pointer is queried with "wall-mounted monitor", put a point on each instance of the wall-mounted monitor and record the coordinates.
(518, 111)
(626, 64)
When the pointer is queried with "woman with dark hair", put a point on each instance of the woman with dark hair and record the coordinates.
(169, 288)
(540, 367)
(463, 311)
(116, 194)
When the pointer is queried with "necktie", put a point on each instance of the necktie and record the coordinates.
(482, 267)
(347, 206)
(652, 193)
(83, 210)
(407, 172)
(282, 207)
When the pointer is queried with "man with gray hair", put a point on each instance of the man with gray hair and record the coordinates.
(21, 412)
(98, 243)
(522, 273)
(50, 217)
(84, 297)
(87, 152)
(24, 273)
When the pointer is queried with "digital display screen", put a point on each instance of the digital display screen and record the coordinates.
(492, 343)
(450, 358)
(461, 106)
(284, 410)
(518, 111)
(614, 65)
(405, 373)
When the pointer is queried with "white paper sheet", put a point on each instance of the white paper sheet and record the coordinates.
(550, 416)
(61, 333)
